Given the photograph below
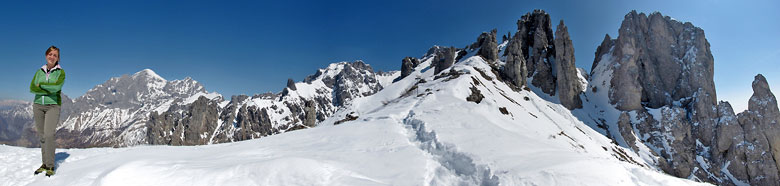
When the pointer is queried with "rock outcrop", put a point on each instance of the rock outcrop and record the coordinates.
(445, 58)
(538, 49)
(244, 117)
(548, 59)
(659, 65)
(659, 61)
(729, 150)
(515, 68)
(604, 48)
(291, 84)
(762, 140)
(568, 84)
(488, 46)
(194, 126)
(407, 66)
(115, 113)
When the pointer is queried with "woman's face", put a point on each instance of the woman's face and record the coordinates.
(53, 57)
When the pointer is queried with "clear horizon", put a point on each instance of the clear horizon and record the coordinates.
(246, 47)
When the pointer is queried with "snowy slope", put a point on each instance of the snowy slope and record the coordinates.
(410, 133)
(299, 106)
(115, 113)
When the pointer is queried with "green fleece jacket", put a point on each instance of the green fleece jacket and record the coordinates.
(47, 85)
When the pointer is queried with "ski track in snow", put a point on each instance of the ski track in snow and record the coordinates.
(431, 136)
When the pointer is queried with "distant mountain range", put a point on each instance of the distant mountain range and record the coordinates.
(650, 94)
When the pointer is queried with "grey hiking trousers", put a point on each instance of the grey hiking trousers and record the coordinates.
(46, 119)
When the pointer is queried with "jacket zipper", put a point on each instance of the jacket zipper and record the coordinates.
(43, 97)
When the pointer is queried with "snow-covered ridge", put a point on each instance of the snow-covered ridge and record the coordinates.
(115, 113)
(420, 130)
(300, 105)
(148, 73)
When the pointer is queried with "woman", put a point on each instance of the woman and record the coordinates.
(46, 85)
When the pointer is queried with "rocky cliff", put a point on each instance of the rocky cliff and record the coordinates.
(300, 105)
(659, 75)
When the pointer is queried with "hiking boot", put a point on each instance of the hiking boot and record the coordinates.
(40, 170)
(49, 172)
(44, 168)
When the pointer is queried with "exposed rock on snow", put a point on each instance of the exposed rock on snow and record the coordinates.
(515, 68)
(488, 46)
(568, 85)
(407, 66)
(445, 57)
(538, 49)
(663, 67)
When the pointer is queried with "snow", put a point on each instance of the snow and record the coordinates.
(195, 97)
(728, 174)
(582, 80)
(386, 80)
(340, 155)
(410, 133)
(150, 73)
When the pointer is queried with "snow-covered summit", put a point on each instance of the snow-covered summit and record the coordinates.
(424, 129)
(115, 113)
(148, 73)
(299, 105)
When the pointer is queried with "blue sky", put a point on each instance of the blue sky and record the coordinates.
(249, 47)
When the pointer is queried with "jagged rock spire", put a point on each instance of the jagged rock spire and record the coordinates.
(568, 86)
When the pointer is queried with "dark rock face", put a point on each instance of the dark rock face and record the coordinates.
(253, 123)
(354, 72)
(665, 66)
(445, 58)
(475, 96)
(488, 46)
(291, 84)
(515, 68)
(568, 86)
(536, 31)
(131, 98)
(310, 111)
(659, 61)
(604, 48)
(290, 87)
(729, 151)
(191, 127)
(534, 52)
(626, 129)
(245, 118)
(762, 141)
(670, 133)
(407, 66)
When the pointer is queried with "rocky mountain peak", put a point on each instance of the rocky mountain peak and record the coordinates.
(661, 70)
(763, 100)
(760, 86)
(538, 49)
(148, 73)
(605, 46)
(488, 46)
(658, 61)
(566, 74)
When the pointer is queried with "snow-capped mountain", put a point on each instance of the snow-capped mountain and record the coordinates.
(115, 113)
(652, 90)
(300, 105)
(516, 112)
(16, 122)
(461, 126)
(131, 109)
